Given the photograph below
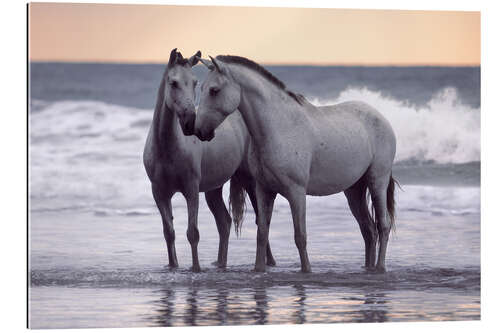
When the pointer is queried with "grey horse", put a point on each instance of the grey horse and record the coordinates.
(298, 149)
(175, 162)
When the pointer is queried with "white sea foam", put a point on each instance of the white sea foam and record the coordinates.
(412, 198)
(443, 131)
(89, 153)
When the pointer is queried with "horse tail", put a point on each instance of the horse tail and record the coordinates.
(237, 196)
(391, 202)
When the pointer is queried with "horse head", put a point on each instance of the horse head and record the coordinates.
(220, 96)
(180, 84)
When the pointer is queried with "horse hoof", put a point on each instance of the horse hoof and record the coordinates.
(173, 265)
(196, 269)
(259, 269)
(380, 270)
(219, 264)
(306, 270)
(271, 262)
(369, 269)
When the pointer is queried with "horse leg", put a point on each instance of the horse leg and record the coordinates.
(265, 203)
(223, 221)
(378, 192)
(251, 194)
(163, 201)
(193, 235)
(297, 200)
(356, 197)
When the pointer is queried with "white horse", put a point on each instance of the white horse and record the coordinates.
(175, 162)
(298, 149)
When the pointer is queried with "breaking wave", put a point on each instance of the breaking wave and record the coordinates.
(444, 130)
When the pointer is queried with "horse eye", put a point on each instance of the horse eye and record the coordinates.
(213, 91)
(174, 84)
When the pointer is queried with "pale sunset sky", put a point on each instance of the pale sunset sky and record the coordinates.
(147, 33)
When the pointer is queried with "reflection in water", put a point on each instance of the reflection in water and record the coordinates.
(191, 316)
(375, 308)
(166, 309)
(221, 308)
(295, 304)
(261, 307)
(300, 315)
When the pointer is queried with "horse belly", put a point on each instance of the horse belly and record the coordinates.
(339, 161)
(335, 178)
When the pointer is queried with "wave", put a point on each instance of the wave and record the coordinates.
(132, 199)
(80, 119)
(444, 130)
(455, 201)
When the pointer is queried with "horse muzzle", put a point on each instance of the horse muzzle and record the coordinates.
(204, 135)
(187, 124)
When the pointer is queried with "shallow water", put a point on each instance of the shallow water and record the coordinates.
(89, 270)
(294, 304)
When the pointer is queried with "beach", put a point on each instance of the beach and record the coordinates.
(97, 254)
(114, 270)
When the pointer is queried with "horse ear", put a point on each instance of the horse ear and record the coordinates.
(217, 65)
(194, 59)
(173, 57)
(207, 63)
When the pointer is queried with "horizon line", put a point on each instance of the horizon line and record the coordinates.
(271, 63)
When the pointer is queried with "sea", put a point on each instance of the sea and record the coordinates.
(97, 257)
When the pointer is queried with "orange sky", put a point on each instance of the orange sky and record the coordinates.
(147, 33)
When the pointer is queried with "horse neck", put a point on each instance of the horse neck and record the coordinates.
(166, 130)
(260, 105)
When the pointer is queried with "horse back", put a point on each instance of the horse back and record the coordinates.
(357, 121)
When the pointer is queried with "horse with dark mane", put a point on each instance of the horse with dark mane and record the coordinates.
(299, 149)
(175, 162)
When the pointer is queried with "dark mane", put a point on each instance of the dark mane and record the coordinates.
(230, 59)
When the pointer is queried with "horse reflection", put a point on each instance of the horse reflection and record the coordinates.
(166, 309)
(221, 312)
(299, 316)
(198, 305)
(261, 306)
(191, 316)
(377, 308)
